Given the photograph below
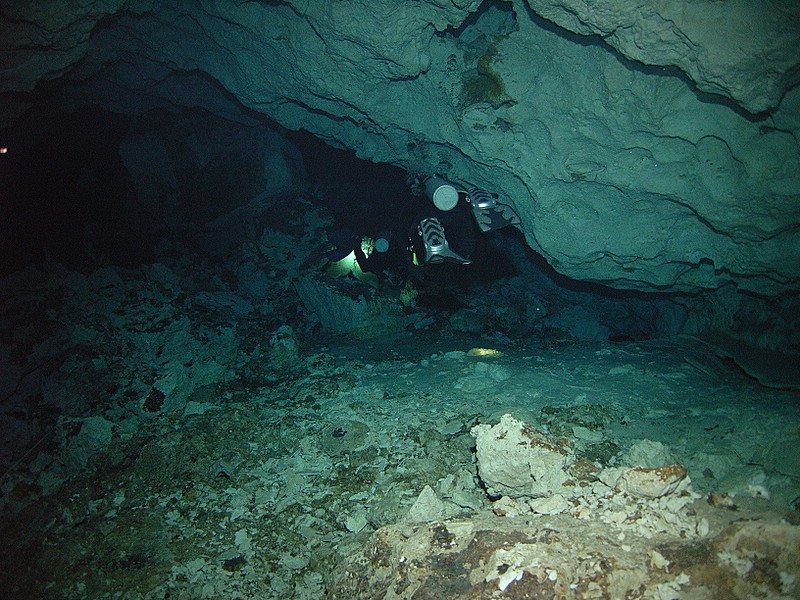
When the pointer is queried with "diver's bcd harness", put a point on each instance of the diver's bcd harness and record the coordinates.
(489, 214)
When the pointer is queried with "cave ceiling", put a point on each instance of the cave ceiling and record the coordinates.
(645, 145)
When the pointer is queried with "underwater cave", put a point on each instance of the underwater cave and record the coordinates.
(288, 292)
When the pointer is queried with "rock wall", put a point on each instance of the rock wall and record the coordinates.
(622, 174)
(737, 49)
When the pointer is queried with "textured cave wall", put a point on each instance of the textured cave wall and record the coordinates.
(622, 173)
(747, 51)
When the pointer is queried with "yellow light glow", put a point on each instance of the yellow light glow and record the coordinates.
(3, 149)
(348, 265)
(484, 352)
(343, 267)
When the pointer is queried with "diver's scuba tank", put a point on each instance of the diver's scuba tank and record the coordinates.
(444, 195)
(488, 211)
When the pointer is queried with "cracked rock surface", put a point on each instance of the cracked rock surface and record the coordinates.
(733, 48)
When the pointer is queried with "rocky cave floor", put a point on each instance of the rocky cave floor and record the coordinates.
(161, 440)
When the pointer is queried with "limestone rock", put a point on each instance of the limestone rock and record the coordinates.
(94, 435)
(461, 490)
(648, 453)
(509, 507)
(356, 521)
(553, 505)
(651, 483)
(360, 317)
(556, 557)
(283, 348)
(427, 507)
(517, 461)
(740, 49)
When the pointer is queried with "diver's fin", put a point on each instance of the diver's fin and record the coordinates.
(489, 213)
(437, 249)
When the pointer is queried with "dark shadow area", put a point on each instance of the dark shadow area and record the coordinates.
(195, 186)
(475, 17)
(363, 196)
(65, 192)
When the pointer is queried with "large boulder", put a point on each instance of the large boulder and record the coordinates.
(518, 461)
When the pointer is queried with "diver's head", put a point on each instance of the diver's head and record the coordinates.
(367, 245)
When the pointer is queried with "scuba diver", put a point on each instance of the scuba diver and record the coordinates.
(446, 232)
(364, 257)
(438, 227)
